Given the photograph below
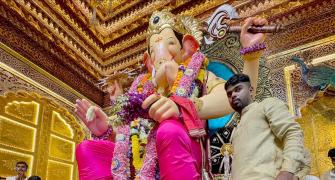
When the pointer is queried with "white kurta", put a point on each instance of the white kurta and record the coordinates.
(267, 140)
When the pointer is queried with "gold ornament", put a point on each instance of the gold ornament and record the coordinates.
(198, 103)
(160, 20)
(226, 147)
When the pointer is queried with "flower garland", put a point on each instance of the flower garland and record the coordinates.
(180, 74)
(184, 88)
(143, 81)
(137, 160)
(120, 161)
(131, 110)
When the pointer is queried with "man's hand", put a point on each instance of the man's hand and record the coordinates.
(99, 124)
(161, 108)
(284, 175)
(250, 39)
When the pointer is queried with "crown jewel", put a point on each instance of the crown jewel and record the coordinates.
(160, 20)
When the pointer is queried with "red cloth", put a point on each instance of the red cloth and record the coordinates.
(189, 114)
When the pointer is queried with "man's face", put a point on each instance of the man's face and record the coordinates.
(21, 168)
(239, 95)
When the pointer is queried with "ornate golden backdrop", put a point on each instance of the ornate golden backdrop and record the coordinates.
(60, 48)
(318, 124)
(60, 37)
(37, 130)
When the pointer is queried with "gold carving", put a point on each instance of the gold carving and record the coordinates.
(36, 16)
(160, 20)
(318, 124)
(8, 159)
(39, 70)
(66, 24)
(9, 134)
(34, 83)
(61, 148)
(57, 170)
(60, 126)
(27, 111)
(123, 55)
(38, 141)
(200, 8)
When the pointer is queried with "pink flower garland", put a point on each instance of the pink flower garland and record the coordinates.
(191, 72)
(148, 170)
(120, 164)
(120, 167)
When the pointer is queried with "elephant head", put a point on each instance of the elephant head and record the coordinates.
(169, 44)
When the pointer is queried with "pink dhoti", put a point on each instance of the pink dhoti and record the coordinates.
(94, 159)
(178, 154)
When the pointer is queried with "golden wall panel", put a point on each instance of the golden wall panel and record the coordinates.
(9, 134)
(58, 170)
(318, 124)
(8, 161)
(326, 132)
(60, 126)
(61, 148)
(27, 132)
(314, 163)
(26, 111)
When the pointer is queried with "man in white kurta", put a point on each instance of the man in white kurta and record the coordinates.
(267, 142)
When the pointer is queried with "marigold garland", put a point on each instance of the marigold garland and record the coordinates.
(180, 74)
(137, 160)
(145, 78)
(146, 166)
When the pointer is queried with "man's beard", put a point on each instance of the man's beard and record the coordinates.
(238, 105)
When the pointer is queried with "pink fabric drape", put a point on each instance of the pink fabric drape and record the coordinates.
(94, 159)
(179, 155)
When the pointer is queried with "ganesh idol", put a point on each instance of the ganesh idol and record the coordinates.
(177, 95)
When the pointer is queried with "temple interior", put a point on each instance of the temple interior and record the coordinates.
(53, 52)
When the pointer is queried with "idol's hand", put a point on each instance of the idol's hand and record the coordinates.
(284, 175)
(250, 39)
(161, 108)
(97, 122)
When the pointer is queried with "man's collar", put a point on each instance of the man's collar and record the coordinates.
(245, 109)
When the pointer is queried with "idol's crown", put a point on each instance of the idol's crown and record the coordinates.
(160, 20)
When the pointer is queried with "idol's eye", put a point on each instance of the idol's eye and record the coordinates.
(171, 42)
(156, 20)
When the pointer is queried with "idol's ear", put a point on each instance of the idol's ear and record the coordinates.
(190, 45)
(147, 61)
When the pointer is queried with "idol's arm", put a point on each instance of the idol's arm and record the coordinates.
(215, 103)
(251, 68)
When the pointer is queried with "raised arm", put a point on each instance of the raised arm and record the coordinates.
(216, 103)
